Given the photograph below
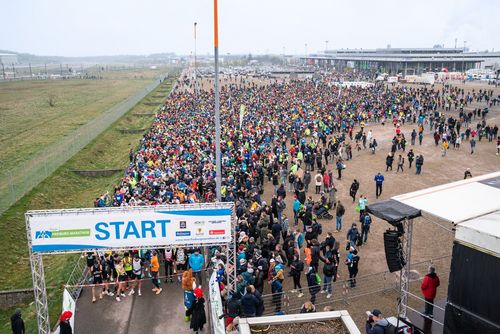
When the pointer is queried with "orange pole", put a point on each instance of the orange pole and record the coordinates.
(216, 25)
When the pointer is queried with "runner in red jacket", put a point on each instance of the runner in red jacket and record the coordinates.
(429, 287)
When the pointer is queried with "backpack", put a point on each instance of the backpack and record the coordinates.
(367, 220)
(390, 329)
(317, 228)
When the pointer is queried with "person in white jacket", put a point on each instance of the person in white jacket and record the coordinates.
(318, 182)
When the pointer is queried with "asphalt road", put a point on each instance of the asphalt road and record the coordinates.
(149, 313)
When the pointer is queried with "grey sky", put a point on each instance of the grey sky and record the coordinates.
(111, 27)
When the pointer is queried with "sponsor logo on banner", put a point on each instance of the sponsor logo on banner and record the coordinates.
(182, 224)
(199, 231)
(62, 233)
(216, 232)
(199, 222)
(182, 233)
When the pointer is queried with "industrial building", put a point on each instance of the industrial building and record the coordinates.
(407, 61)
(8, 58)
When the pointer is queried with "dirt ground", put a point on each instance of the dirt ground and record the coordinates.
(430, 240)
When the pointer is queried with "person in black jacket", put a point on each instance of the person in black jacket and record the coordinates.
(233, 309)
(388, 161)
(297, 268)
(260, 305)
(316, 255)
(354, 189)
(249, 303)
(64, 325)
(312, 283)
(198, 315)
(328, 272)
(17, 323)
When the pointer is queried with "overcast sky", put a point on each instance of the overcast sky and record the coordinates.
(112, 27)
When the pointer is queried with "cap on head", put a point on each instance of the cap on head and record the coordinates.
(376, 312)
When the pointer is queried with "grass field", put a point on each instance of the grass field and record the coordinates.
(65, 189)
(28, 123)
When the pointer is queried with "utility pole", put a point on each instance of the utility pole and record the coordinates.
(31, 73)
(46, 73)
(60, 67)
(326, 46)
(456, 39)
(14, 70)
(218, 169)
(3, 71)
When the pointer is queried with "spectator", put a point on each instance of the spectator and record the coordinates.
(429, 288)
(196, 264)
(379, 180)
(17, 323)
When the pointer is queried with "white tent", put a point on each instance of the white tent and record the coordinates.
(482, 232)
(458, 201)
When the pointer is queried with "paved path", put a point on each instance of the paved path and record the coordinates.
(148, 313)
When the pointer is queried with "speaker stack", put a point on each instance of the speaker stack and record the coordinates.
(393, 251)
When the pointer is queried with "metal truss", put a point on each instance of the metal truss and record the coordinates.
(39, 290)
(231, 255)
(36, 261)
(404, 282)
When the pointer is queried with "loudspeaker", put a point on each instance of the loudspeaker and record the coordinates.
(393, 251)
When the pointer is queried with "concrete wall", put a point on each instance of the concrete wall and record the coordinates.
(13, 298)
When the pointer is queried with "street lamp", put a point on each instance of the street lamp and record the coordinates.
(326, 46)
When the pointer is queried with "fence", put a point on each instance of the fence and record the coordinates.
(381, 282)
(16, 183)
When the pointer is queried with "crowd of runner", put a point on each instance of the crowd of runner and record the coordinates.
(293, 134)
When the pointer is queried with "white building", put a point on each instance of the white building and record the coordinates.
(8, 58)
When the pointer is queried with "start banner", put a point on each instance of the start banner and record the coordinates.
(78, 230)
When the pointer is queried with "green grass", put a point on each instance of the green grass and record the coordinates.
(65, 189)
(28, 124)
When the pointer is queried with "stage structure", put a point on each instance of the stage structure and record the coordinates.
(112, 229)
(400, 216)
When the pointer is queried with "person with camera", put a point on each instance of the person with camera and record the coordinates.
(376, 324)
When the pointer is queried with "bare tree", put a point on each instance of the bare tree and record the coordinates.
(51, 100)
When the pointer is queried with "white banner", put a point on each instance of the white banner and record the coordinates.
(131, 227)
(216, 305)
(68, 304)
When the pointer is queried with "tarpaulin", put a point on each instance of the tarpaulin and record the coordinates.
(393, 211)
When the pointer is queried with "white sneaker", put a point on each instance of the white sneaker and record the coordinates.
(118, 299)
(300, 295)
(122, 294)
(105, 292)
(131, 292)
(139, 293)
(329, 295)
(293, 291)
(111, 294)
(322, 291)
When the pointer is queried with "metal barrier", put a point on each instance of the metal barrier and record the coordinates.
(381, 282)
(77, 278)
